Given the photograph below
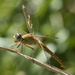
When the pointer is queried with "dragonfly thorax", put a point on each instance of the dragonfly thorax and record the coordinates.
(17, 37)
(28, 39)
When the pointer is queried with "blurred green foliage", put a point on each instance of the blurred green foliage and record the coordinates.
(49, 17)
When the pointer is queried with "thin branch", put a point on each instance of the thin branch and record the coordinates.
(44, 65)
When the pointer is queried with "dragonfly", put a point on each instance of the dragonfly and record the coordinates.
(29, 39)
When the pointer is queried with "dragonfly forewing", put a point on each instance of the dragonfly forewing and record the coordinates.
(27, 17)
(46, 36)
(22, 32)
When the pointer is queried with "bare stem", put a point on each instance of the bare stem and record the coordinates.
(44, 65)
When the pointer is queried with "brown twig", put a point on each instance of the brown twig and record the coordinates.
(44, 65)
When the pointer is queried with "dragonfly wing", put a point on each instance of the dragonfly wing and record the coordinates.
(46, 36)
(22, 32)
(44, 51)
(27, 17)
(31, 21)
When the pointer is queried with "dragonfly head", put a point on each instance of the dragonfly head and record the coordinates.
(17, 37)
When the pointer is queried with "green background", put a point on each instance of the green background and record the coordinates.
(49, 17)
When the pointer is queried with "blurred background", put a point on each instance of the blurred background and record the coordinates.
(49, 17)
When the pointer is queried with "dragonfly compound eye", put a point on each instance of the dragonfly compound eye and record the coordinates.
(17, 37)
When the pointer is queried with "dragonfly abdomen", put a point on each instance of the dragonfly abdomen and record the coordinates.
(42, 46)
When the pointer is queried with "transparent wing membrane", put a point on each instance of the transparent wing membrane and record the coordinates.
(46, 36)
(22, 32)
(27, 17)
(44, 51)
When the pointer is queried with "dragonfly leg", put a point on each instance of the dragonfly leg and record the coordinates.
(21, 47)
(18, 44)
(32, 49)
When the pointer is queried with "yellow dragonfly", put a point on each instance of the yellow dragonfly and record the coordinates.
(29, 39)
